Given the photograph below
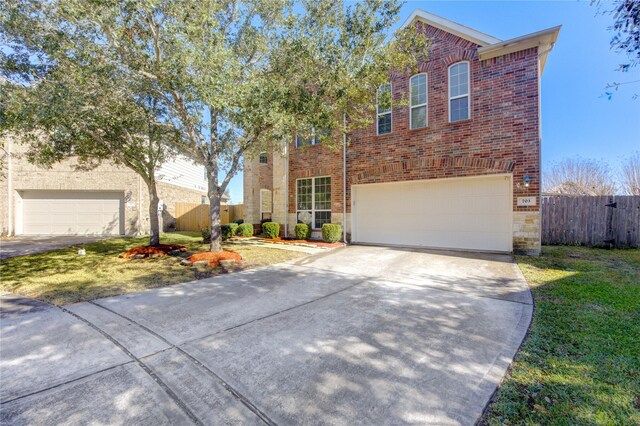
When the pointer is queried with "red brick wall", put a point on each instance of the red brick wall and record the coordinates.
(312, 161)
(500, 137)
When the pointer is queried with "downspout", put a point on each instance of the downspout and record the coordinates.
(139, 205)
(10, 227)
(286, 188)
(344, 178)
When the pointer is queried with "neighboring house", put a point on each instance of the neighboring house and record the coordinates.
(107, 200)
(458, 168)
(570, 188)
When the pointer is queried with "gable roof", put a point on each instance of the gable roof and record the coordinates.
(444, 24)
(491, 47)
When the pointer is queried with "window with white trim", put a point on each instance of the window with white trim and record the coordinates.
(266, 204)
(383, 109)
(313, 201)
(264, 158)
(459, 92)
(418, 101)
(312, 139)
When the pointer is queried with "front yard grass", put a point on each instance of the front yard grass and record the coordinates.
(62, 276)
(580, 364)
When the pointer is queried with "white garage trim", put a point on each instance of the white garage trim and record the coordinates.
(471, 213)
(49, 212)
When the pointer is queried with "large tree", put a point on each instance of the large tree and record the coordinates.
(238, 75)
(630, 174)
(579, 176)
(66, 100)
(626, 34)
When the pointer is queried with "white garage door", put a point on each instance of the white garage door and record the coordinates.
(466, 213)
(71, 213)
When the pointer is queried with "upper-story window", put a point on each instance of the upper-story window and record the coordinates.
(459, 91)
(264, 158)
(383, 109)
(313, 139)
(418, 104)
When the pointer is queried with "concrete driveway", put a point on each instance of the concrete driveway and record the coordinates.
(24, 245)
(359, 335)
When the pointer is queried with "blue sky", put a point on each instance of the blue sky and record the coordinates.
(577, 119)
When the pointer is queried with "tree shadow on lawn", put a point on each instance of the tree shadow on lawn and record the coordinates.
(580, 363)
(56, 275)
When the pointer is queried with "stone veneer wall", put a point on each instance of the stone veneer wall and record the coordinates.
(256, 176)
(526, 233)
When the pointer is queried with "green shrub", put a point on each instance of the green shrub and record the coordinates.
(228, 230)
(206, 235)
(271, 229)
(331, 232)
(245, 230)
(302, 231)
(238, 221)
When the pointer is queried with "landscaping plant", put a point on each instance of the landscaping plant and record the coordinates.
(245, 230)
(331, 232)
(302, 231)
(271, 229)
(229, 230)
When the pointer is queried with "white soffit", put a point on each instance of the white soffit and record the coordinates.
(544, 40)
(439, 22)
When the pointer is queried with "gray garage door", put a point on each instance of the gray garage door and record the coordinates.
(72, 213)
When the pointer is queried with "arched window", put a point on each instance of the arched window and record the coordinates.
(418, 116)
(459, 107)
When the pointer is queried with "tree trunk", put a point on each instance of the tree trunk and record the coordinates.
(214, 195)
(154, 224)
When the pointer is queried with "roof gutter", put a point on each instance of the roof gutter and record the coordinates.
(544, 40)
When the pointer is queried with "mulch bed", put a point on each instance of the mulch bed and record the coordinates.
(152, 251)
(304, 242)
(215, 258)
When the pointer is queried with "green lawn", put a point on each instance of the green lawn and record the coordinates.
(62, 277)
(580, 364)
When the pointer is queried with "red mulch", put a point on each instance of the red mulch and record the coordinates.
(158, 250)
(310, 242)
(215, 258)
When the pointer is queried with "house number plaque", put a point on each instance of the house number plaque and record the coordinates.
(526, 201)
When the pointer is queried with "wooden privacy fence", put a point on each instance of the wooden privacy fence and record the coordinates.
(195, 217)
(595, 221)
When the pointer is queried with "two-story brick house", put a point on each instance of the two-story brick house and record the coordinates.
(457, 167)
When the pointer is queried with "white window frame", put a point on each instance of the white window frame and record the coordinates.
(266, 155)
(468, 95)
(390, 112)
(314, 139)
(425, 104)
(263, 193)
(313, 209)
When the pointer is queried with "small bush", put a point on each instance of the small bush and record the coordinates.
(331, 232)
(228, 230)
(302, 231)
(206, 235)
(238, 221)
(271, 229)
(245, 230)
